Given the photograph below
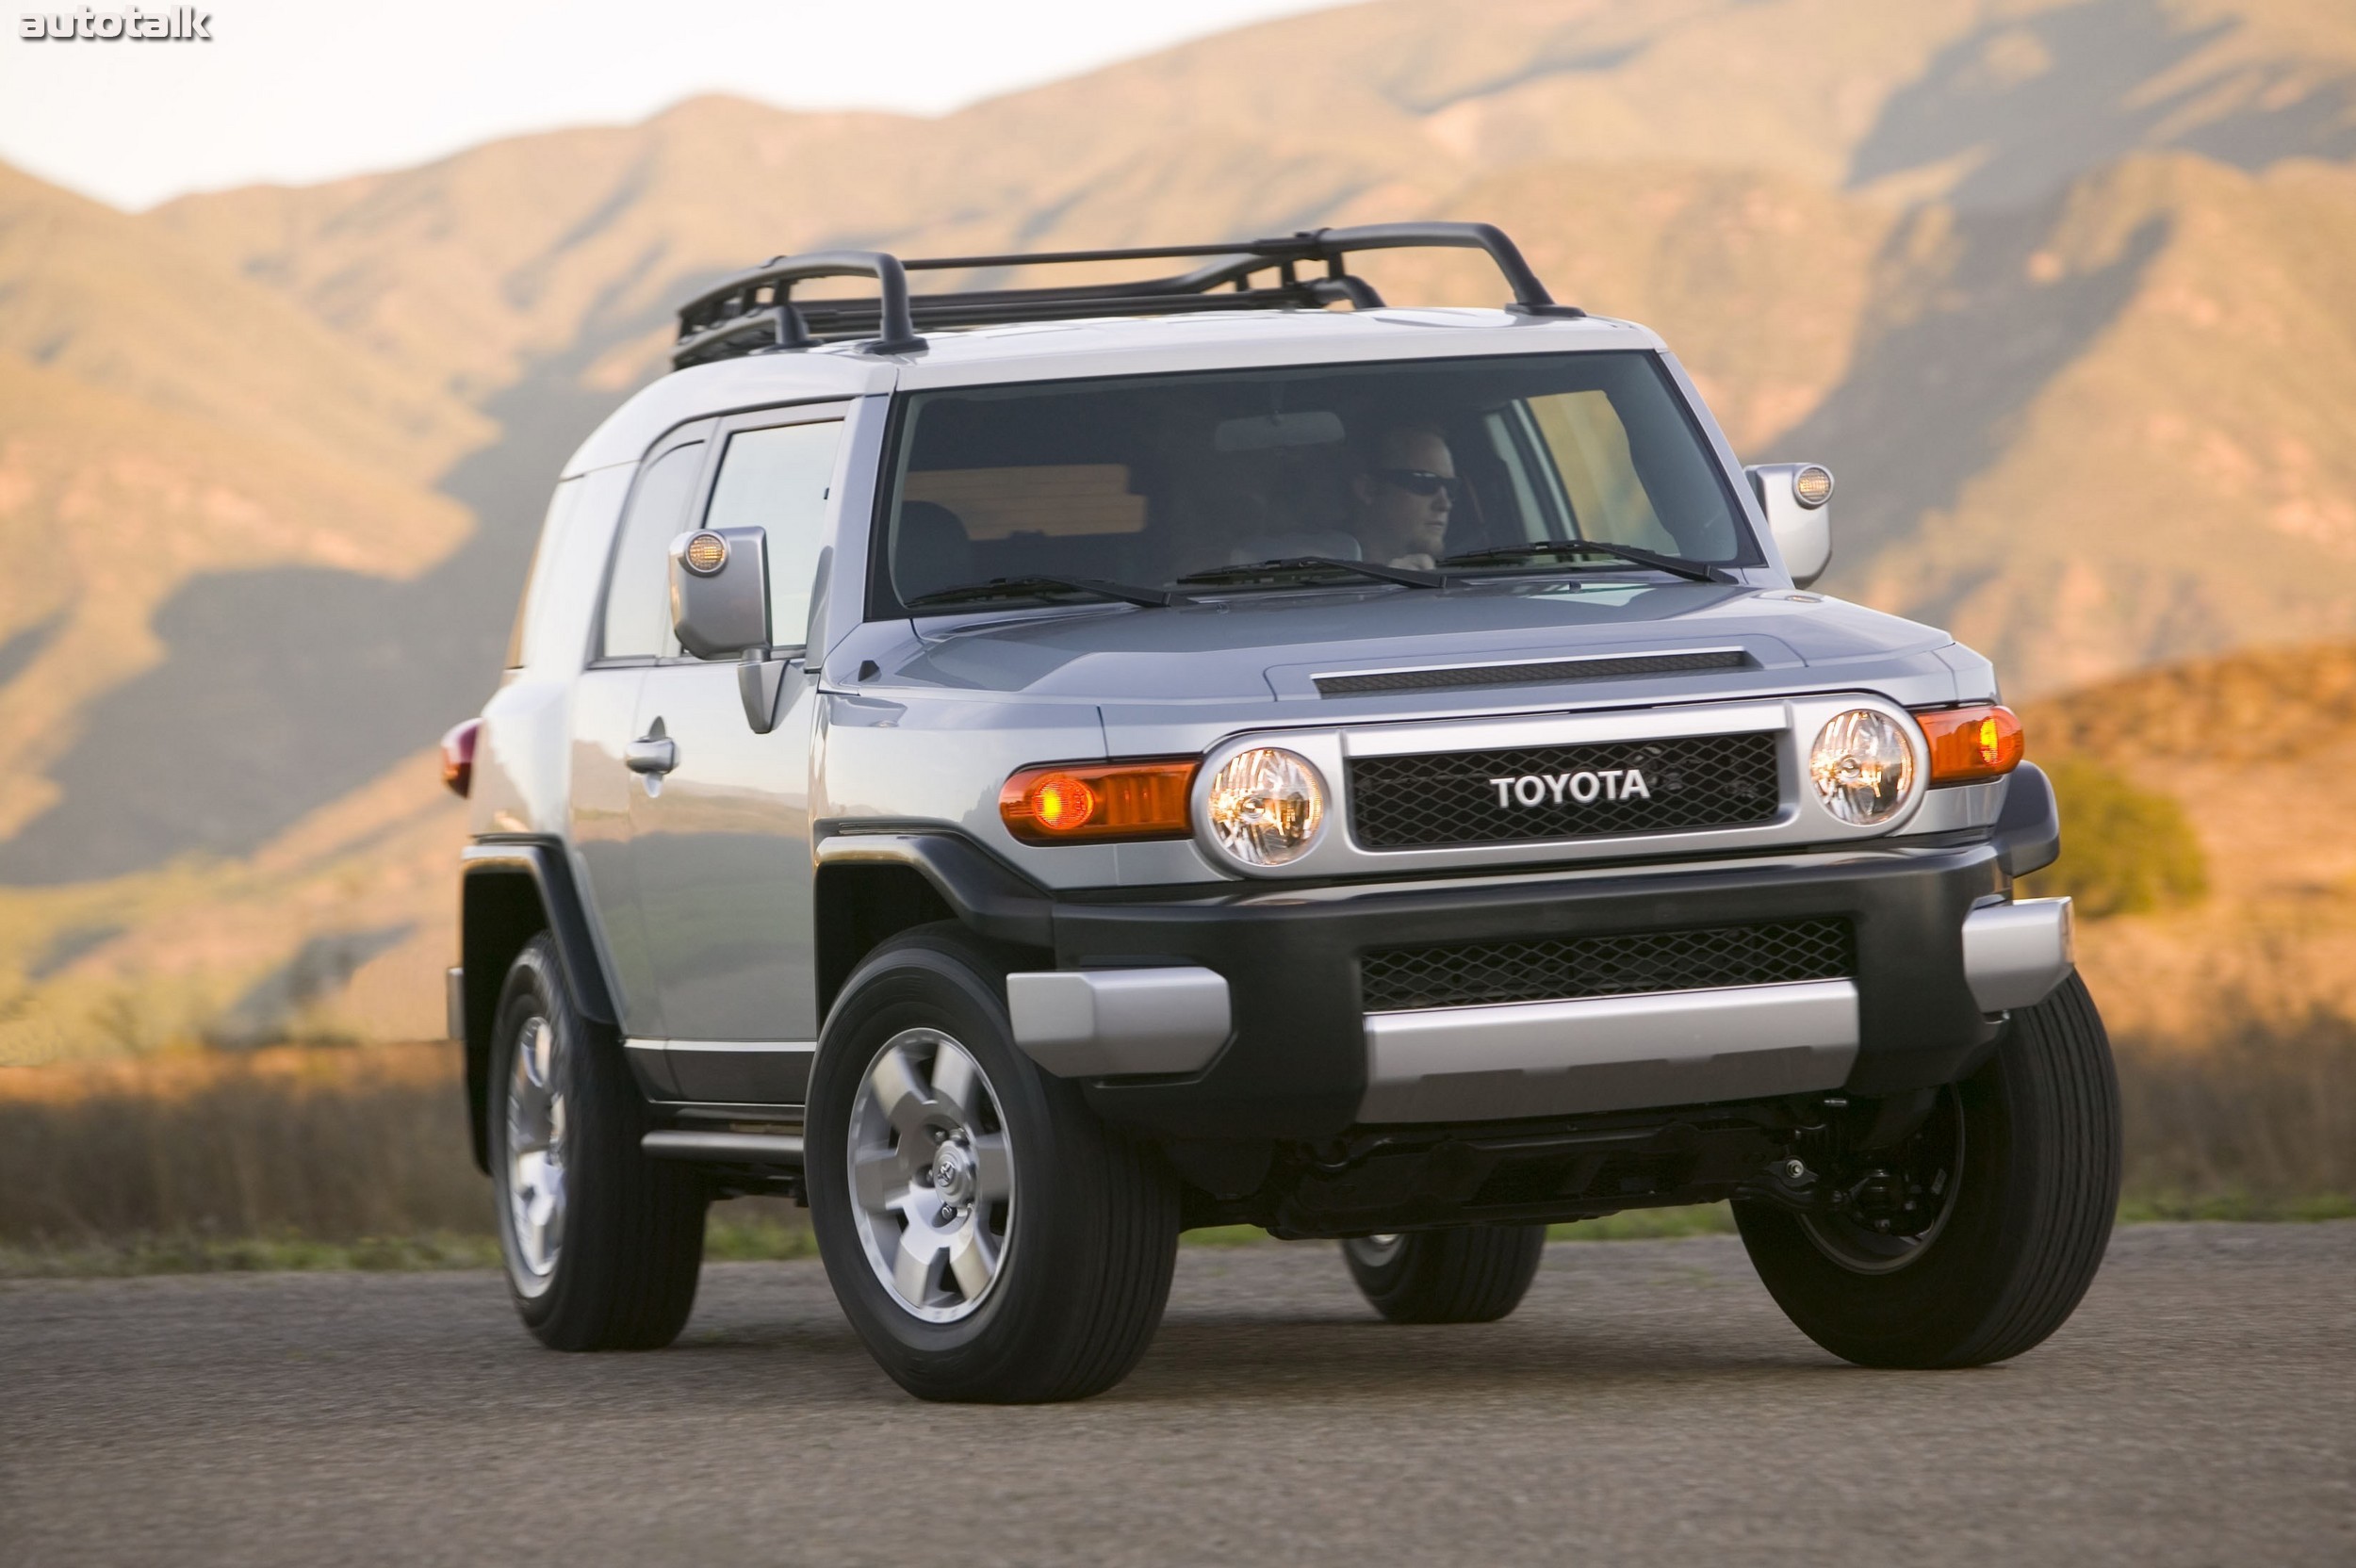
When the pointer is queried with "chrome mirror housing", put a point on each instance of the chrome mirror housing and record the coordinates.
(1793, 496)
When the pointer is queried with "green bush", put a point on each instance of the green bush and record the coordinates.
(2124, 850)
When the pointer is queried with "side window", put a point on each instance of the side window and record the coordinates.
(544, 558)
(778, 479)
(638, 595)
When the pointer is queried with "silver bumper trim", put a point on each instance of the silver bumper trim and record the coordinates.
(1107, 1022)
(2015, 953)
(1609, 1052)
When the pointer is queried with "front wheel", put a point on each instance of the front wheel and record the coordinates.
(1464, 1274)
(1981, 1233)
(990, 1239)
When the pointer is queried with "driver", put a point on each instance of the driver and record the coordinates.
(1400, 497)
(1396, 506)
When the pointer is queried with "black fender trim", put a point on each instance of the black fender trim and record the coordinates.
(560, 904)
(988, 896)
(2028, 825)
(494, 923)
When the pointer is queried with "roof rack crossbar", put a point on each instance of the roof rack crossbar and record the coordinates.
(1529, 295)
(754, 311)
(728, 309)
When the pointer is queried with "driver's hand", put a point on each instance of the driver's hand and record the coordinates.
(1416, 563)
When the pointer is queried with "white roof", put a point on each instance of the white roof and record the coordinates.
(1054, 350)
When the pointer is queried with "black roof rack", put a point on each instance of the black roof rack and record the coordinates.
(754, 311)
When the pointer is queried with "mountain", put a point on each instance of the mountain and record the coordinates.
(168, 426)
(486, 263)
(2056, 286)
(116, 303)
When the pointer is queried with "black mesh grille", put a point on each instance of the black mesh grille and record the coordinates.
(1540, 672)
(1454, 797)
(1398, 979)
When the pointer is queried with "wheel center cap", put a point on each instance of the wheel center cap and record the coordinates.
(953, 1172)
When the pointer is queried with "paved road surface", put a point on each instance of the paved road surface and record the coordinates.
(1648, 1404)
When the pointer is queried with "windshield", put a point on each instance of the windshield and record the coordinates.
(1147, 480)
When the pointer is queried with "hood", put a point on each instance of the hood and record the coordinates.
(1255, 646)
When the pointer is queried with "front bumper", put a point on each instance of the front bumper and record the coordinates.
(1301, 1059)
(1609, 1052)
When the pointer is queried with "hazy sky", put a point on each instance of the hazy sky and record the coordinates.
(306, 90)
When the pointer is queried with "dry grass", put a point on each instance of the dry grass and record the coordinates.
(320, 1145)
(356, 1157)
(2261, 1123)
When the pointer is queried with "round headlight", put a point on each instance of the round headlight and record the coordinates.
(1266, 806)
(1863, 768)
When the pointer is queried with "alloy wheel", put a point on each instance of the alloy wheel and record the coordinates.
(536, 1145)
(931, 1175)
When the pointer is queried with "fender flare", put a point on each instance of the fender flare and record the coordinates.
(508, 891)
(989, 898)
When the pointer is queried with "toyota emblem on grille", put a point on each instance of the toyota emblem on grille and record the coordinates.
(1585, 786)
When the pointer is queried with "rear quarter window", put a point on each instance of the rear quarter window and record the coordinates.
(555, 534)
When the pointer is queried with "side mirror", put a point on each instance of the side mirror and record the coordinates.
(1793, 496)
(720, 609)
(720, 591)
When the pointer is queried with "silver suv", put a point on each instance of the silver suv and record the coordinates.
(1029, 771)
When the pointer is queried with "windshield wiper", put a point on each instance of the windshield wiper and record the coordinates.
(1518, 555)
(1299, 565)
(1042, 585)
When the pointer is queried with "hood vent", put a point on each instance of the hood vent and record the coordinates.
(1543, 672)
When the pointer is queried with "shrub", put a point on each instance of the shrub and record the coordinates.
(2124, 850)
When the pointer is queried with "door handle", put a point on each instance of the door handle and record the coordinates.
(656, 753)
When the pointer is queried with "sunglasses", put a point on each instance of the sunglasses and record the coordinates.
(1420, 481)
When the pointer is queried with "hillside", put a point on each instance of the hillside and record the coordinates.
(2055, 286)
(113, 303)
(99, 535)
(339, 928)
(164, 421)
(2260, 749)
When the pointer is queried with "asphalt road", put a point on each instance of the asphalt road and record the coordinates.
(1648, 1404)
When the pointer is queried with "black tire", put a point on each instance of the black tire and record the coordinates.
(1088, 1234)
(1465, 1274)
(2029, 1221)
(628, 1234)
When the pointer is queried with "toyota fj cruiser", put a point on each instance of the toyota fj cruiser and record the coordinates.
(1029, 771)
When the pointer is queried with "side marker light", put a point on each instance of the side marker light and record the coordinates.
(1062, 803)
(1969, 745)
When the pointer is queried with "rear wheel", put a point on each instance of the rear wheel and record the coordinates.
(1977, 1238)
(603, 1245)
(1465, 1274)
(990, 1238)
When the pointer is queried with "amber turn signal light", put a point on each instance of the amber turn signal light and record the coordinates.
(458, 756)
(1066, 803)
(1969, 745)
